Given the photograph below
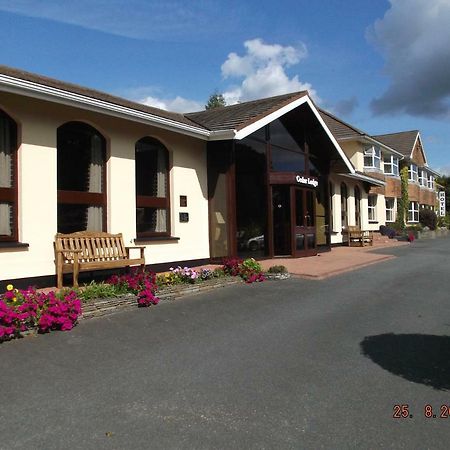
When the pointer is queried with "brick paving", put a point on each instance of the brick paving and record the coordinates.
(338, 260)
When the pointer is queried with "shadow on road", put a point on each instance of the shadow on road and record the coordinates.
(420, 358)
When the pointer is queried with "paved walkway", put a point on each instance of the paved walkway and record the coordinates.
(334, 262)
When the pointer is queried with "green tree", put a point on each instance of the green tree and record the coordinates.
(215, 100)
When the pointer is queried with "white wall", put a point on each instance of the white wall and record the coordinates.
(37, 185)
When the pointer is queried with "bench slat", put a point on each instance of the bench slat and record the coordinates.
(95, 250)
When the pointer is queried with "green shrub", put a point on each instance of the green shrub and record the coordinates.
(277, 269)
(428, 218)
(95, 290)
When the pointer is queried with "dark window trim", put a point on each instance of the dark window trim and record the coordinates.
(11, 195)
(146, 201)
(82, 197)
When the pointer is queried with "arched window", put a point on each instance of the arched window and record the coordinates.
(8, 178)
(152, 188)
(344, 195)
(357, 207)
(81, 178)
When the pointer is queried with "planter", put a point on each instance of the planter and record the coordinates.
(277, 276)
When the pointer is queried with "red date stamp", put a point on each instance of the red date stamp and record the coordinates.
(403, 411)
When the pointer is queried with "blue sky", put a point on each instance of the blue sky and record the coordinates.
(384, 66)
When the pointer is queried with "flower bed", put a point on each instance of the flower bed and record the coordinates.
(24, 310)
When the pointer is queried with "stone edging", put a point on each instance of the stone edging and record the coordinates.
(104, 306)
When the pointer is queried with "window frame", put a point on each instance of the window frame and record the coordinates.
(99, 199)
(413, 211)
(393, 163)
(372, 208)
(423, 178)
(413, 173)
(344, 205)
(11, 194)
(430, 183)
(147, 201)
(390, 211)
(374, 153)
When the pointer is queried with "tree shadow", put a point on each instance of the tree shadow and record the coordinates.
(419, 358)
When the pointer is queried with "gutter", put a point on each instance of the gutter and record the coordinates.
(42, 92)
(361, 177)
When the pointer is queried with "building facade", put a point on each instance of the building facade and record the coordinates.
(271, 177)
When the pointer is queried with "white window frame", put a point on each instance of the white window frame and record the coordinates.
(430, 183)
(391, 162)
(413, 173)
(372, 207)
(413, 212)
(423, 178)
(374, 153)
(390, 209)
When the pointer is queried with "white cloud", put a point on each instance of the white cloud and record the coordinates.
(177, 104)
(263, 71)
(413, 36)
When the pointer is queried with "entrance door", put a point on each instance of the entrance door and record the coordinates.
(304, 215)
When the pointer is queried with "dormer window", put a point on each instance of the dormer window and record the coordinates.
(391, 165)
(412, 173)
(372, 158)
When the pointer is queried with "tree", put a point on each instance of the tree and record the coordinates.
(215, 100)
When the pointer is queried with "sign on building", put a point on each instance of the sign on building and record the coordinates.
(441, 197)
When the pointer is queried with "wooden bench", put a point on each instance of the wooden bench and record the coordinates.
(85, 250)
(358, 237)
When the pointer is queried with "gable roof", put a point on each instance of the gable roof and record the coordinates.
(403, 141)
(344, 131)
(339, 128)
(241, 115)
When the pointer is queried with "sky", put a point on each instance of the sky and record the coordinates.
(383, 65)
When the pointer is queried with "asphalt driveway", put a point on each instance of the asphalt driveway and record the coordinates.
(288, 364)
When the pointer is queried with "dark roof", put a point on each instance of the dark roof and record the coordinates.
(403, 141)
(74, 88)
(239, 116)
(339, 128)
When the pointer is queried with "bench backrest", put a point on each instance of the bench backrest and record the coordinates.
(94, 246)
(353, 229)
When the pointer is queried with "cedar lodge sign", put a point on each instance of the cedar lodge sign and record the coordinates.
(293, 178)
(309, 181)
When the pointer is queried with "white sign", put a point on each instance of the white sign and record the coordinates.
(442, 203)
(306, 180)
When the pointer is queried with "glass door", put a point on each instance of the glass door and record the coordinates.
(281, 207)
(304, 222)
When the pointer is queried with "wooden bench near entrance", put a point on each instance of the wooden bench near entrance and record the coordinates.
(357, 237)
(86, 250)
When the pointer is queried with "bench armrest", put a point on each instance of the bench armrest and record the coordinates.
(135, 247)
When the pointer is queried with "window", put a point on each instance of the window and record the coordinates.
(344, 195)
(431, 181)
(372, 158)
(357, 207)
(8, 178)
(390, 210)
(423, 178)
(413, 212)
(412, 172)
(152, 188)
(372, 204)
(391, 165)
(81, 161)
